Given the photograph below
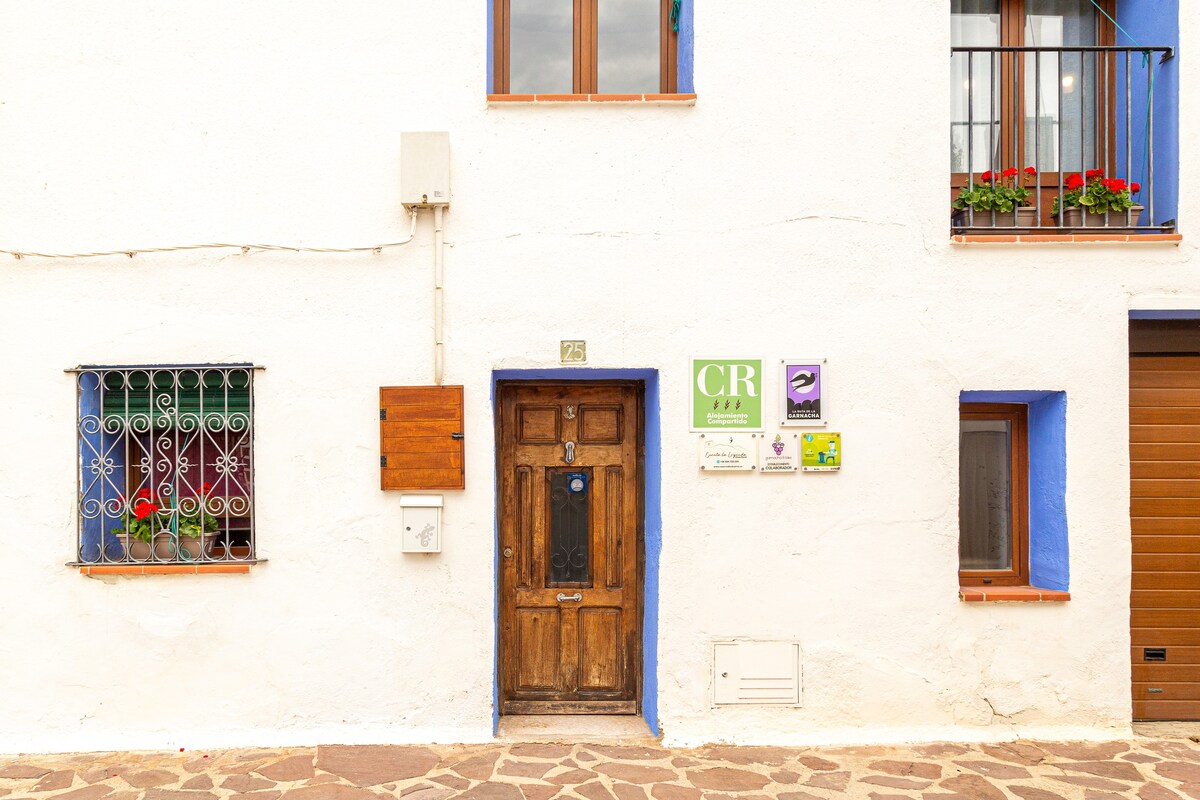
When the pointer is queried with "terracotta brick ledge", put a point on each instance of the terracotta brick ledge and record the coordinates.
(687, 99)
(1020, 594)
(1070, 238)
(164, 569)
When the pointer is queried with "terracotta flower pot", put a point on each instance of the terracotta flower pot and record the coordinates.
(1075, 218)
(166, 548)
(193, 548)
(1023, 218)
(136, 549)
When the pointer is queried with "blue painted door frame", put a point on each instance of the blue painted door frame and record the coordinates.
(651, 522)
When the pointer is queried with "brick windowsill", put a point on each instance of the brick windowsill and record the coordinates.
(164, 569)
(1020, 594)
(686, 99)
(1069, 238)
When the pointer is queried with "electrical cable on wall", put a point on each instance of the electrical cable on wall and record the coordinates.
(245, 248)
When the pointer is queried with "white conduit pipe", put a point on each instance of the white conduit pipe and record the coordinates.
(439, 265)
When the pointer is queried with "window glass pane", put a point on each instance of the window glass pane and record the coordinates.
(1061, 23)
(541, 46)
(569, 529)
(629, 41)
(985, 495)
(974, 89)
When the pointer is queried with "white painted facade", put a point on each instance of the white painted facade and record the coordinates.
(798, 208)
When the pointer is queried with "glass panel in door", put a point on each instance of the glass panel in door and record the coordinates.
(974, 86)
(1061, 106)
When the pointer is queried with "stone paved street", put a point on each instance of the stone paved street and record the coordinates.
(1147, 769)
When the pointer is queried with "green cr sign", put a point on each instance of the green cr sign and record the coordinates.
(726, 394)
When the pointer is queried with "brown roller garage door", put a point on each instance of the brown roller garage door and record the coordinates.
(1164, 436)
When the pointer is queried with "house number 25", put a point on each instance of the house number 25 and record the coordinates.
(572, 351)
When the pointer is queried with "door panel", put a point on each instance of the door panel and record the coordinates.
(538, 646)
(614, 527)
(1164, 398)
(570, 596)
(602, 667)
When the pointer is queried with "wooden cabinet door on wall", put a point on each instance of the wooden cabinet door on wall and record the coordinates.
(421, 438)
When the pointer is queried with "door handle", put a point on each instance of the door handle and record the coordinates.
(578, 596)
(569, 456)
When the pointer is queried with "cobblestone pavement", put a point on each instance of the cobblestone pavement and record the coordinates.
(1147, 769)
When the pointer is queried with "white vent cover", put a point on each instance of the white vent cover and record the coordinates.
(765, 673)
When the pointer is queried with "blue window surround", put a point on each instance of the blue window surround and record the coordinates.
(1173, 314)
(685, 50)
(1153, 23)
(1049, 554)
(652, 524)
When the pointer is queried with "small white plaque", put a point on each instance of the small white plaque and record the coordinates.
(728, 452)
(779, 453)
(572, 351)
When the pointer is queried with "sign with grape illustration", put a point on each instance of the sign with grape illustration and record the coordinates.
(726, 394)
(779, 453)
(802, 392)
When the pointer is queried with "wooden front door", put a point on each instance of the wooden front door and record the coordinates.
(570, 543)
(1164, 433)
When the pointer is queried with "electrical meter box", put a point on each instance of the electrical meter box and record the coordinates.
(425, 169)
(421, 523)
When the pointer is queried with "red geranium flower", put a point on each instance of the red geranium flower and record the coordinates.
(1011, 172)
(1031, 171)
(205, 488)
(987, 176)
(1074, 181)
(1095, 173)
(1135, 187)
(144, 509)
(144, 494)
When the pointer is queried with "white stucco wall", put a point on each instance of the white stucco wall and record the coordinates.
(799, 208)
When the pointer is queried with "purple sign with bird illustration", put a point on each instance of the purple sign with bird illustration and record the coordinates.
(803, 385)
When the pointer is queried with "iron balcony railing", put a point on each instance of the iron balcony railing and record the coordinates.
(1065, 111)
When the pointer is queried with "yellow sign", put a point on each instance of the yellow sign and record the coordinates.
(821, 452)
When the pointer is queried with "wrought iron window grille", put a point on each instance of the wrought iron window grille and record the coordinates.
(166, 464)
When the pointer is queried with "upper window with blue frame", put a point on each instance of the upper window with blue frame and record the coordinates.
(585, 46)
(1063, 115)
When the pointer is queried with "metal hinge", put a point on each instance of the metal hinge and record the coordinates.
(457, 436)
(383, 413)
(383, 462)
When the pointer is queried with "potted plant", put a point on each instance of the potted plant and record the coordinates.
(1004, 193)
(1089, 197)
(183, 536)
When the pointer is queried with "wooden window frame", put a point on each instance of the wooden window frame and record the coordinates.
(1017, 415)
(585, 48)
(1012, 136)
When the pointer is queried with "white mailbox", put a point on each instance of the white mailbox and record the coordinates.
(421, 520)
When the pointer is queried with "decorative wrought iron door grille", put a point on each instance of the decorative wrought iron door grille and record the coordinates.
(166, 464)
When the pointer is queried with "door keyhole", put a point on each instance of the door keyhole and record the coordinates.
(569, 457)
